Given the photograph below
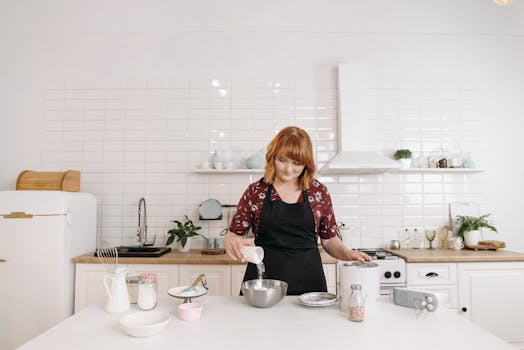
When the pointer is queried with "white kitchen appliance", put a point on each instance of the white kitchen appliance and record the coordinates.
(367, 274)
(40, 233)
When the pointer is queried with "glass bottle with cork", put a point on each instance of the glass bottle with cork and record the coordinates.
(357, 303)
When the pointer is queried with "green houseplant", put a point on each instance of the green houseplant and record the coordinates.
(470, 225)
(182, 232)
(404, 156)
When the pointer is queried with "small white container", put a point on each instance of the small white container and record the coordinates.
(253, 254)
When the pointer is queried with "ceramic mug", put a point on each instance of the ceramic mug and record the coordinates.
(455, 243)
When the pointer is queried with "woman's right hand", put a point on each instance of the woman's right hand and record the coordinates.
(233, 244)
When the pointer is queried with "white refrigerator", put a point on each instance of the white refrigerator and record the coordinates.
(40, 233)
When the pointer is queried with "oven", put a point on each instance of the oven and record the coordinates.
(392, 269)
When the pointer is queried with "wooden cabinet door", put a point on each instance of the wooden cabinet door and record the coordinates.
(218, 277)
(490, 294)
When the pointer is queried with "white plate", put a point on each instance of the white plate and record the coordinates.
(145, 324)
(210, 209)
(177, 292)
(317, 299)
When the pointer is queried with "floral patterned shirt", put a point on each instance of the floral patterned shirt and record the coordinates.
(247, 215)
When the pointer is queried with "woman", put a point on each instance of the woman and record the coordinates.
(287, 210)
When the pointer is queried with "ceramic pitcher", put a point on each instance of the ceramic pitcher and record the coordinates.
(116, 288)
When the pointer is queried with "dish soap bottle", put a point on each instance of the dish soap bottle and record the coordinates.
(357, 303)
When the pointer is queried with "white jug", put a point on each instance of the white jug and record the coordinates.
(117, 294)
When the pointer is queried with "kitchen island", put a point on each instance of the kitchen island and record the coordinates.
(229, 323)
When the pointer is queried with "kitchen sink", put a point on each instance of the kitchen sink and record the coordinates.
(141, 252)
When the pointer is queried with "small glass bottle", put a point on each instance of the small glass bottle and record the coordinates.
(357, 304)
(147, 291)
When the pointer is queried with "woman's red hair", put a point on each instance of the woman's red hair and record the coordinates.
(293, 143)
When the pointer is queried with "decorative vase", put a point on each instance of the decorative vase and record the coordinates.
(405, 163)
(185, 248)
(472, 237)
(256, 161)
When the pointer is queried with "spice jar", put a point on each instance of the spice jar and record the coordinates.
(357, 303)
(147, 291)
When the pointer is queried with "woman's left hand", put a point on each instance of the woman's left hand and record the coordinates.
(356, 255)
(338, 250)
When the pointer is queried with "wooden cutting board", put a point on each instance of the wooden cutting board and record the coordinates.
(480, 247)
(213, 251)
(496, 244)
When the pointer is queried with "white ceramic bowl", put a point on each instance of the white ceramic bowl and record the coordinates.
(145, 323)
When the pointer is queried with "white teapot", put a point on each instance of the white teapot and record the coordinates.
(117, 294)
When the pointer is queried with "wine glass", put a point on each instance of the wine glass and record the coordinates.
(430, 235)
(442, 236)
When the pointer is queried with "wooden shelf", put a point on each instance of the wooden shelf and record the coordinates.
(439, 170)
(228, 171)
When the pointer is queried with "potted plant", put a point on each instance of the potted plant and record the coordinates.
(469, 228)
(181, 233)
(404, 156)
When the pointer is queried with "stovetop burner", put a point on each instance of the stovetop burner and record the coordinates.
(378, 254)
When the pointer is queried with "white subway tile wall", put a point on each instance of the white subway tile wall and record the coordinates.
(145, 138)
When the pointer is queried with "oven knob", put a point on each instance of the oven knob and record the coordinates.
(387, 274)
(397, 274)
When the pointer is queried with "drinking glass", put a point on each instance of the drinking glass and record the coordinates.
(430, 235)
(442, 237)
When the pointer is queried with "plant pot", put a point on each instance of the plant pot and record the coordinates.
(405, 163)
(471, 237)
(184, 249)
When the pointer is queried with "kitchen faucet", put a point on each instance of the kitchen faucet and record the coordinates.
(141, 231)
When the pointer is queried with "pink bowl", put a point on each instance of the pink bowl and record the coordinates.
(190, 311)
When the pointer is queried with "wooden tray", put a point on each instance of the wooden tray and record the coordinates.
(480, 247)
(496, 244)
(49, 181)
(213, 251)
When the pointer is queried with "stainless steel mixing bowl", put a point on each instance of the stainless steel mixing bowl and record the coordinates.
(264, 292)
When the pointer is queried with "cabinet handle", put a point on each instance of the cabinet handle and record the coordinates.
(464, 309)
(432, 274)
(2, 260)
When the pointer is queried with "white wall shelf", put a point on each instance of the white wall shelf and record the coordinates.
(405, 171)
(439, 170)
(228, 171)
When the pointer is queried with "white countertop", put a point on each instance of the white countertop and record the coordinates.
(230, 323)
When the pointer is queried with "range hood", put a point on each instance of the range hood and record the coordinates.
(358, 154)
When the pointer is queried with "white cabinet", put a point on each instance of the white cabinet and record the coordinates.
(218, 277)
(89, 281)
(330, 271)
(492, 295)
(489, 294)
(439, 278)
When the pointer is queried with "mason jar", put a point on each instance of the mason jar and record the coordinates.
(147, 291)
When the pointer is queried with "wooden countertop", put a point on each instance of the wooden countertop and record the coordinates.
(194, 256)
(448, 255)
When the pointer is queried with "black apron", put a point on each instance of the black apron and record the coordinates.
(287, 234)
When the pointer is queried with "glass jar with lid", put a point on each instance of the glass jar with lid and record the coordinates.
(357, 303)
(147, 291)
